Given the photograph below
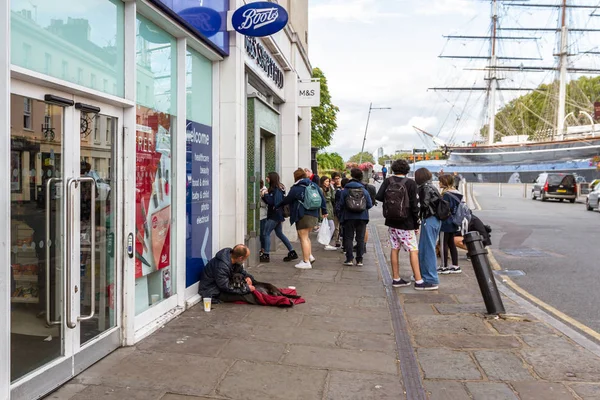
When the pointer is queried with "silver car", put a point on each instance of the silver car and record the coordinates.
(591, 202)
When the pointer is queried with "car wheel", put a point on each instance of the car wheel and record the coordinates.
(561, 200)
(533, 196)
(587, 205)
(543, 196)
(572, 201)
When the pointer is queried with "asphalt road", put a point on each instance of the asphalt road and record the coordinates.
(556, 244)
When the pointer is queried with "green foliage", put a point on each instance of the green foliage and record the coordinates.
(330, 162)
(324, 117)
(534, 113)
(366, 157)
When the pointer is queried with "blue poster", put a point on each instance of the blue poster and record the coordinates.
(199, 199)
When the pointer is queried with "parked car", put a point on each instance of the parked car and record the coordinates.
(555, 186)
(592, 199)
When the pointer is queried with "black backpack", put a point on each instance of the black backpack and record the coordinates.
(355, 200)
(396, 201)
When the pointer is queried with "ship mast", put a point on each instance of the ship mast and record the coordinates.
(492, 75)
(562, 66)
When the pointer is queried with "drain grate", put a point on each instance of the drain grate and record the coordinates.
(510, 272)
(525, 252)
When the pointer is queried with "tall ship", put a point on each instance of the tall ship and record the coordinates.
(555, 122)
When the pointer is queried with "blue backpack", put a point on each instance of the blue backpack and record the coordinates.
(312, 197)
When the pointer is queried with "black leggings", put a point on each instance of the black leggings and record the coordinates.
(447, 239)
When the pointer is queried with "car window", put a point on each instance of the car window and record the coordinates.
(555, 179)
(541, 178)
(568, 180)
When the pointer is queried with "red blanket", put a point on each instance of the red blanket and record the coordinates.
(279, 301)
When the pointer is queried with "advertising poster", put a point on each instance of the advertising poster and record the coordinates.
(153, 194)
(199, 199)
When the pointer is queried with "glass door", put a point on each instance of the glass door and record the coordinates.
(65, 222)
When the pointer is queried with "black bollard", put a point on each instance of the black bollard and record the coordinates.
(483, 272)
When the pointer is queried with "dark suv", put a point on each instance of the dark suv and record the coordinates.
(555, 186)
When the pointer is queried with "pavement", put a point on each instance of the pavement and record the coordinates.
(355, 338)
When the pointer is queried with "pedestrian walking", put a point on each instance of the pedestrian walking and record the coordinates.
(305, 200)
(457, 180)
(336, 185)
(263, 218)
(274, 220)
(338, 208)
(401, 212)
(355, 204)
(329, 194)
(384, 172)
(449, 229)
(429, 199)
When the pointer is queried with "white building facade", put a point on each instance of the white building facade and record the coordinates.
(135, 136)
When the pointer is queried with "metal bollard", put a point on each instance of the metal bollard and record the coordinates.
(483, 272)
(525, 191)
(499, 189)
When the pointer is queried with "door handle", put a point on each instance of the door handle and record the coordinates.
(70, 204)
(92, 246)
(48, 243)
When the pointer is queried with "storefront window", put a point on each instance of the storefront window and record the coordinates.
(79, 42)
(198, 164)
(155, 118)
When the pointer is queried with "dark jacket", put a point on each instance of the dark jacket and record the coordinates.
(454, 201)
(294, 199)
(412, 222)
(338, 204)
(429, 198)
(271, 198)
(315, 179)
(347, 214)
(215, 277)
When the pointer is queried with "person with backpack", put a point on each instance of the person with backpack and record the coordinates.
(431, 209)
(275, 218)
(401, 212)
(305, 200)
(384, 172)
(329, 194)
(338, 208)
(451, 225)
(355, 204)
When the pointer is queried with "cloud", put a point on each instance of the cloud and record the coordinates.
(361, 11)
(446, 7)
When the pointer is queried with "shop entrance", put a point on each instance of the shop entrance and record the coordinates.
(65, 220)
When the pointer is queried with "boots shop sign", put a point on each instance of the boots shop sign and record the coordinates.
(256, 51)
(261, 18)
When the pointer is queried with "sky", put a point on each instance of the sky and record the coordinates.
(386, 52)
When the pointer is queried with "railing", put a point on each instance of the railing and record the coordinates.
(514, 190)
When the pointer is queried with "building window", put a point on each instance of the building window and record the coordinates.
(27, 120)
(65, 70)
(47, 118)
(80, 76)
(108, 129)
(96, 130)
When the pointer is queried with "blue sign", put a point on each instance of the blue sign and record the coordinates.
(199, 199)
(259, 19)
(204, 19)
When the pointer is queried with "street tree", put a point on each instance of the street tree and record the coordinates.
(366, 157)
(324, 117)
(330, 162)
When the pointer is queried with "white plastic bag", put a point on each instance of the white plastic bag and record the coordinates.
(325, 233)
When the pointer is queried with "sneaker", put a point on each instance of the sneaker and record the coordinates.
(312, 259)
(349, 262)
(338, 245)
(292, 255)
(454, 270)
(303, 265)
(359, 263)
(442, 270)
(425, 286)
(265, 258)
(400, 283)
(330, 248)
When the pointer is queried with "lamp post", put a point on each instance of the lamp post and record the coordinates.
(367, 127)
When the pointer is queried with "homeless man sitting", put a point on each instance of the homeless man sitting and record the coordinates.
(215, 279)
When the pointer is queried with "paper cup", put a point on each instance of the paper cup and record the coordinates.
(292, 287)
(154, 298)
(207, 303)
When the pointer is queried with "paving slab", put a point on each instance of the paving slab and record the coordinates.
(431, 298)
(462, 308)
(491, 391)
(173, 396)
(548, 341)
(66, 392)
(521, 328)
(179, 373)
(316, 337)
(250, 381)
(447, 324)
(587, 391)
(542, 390)
(471, 298)
(274, 317)
(333, 301)
(368, 341)
(316, 274)
(446, 390)
(310, 308)
(364, 386)
(373, 302)
(112, 393)
(361, 312)
(347, 324)
(503, 366)
(352, 290)
(252, 350)
(418, 309)
(563, 363)
(173, 342)
(447, 364)
(342, 359)
(468, 341)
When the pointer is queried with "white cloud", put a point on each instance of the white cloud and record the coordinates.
(361, 11)
(446, 7)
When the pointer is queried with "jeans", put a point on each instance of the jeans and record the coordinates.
(352, 227)
(263, 239)
(430, 231)
(271, 225)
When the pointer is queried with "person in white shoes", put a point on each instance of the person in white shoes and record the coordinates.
(304, 212)
(329, 194)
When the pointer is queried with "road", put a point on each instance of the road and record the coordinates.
(556, 244)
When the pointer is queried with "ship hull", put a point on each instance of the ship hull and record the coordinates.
(526, 153)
